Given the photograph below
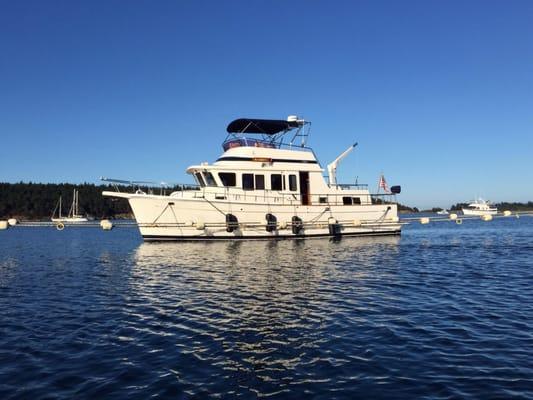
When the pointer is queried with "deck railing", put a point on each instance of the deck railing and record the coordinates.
(275, 197)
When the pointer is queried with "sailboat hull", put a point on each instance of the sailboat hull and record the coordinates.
(70, 219)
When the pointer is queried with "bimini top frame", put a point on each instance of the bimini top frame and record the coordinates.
(272, 132)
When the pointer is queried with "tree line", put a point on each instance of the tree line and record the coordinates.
(37, 201)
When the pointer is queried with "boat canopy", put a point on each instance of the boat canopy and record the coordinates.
(261, 126)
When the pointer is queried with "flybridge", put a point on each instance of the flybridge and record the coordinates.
(272, 132)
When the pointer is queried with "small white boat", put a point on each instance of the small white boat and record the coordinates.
(73, 214)
(443, 212)
(480, 207)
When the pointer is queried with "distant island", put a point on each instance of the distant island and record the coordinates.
(36, 201)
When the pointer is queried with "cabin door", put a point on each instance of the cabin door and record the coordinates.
(304, 188)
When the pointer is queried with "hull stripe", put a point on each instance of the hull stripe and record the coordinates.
(150, 238)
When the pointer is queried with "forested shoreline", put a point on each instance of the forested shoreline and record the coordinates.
(37, 201)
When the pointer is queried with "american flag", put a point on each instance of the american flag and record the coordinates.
(383, 184)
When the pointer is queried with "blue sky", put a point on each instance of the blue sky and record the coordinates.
(439, 95)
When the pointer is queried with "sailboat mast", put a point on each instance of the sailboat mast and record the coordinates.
(59, 206)
(71, 211)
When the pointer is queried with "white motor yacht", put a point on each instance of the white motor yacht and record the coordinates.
(480, 207)
(264, 185)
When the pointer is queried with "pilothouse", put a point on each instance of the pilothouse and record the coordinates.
(266, 184)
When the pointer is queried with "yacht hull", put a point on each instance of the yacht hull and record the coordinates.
(169, 218)
(479, 212)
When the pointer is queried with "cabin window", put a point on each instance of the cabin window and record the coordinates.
(292, 183)
(322, 200)
(347, 201)
(356, 200)
(260, 182)
(227, 178)
(209, 179)
(200, 179)
(275, 182)
(248, 181)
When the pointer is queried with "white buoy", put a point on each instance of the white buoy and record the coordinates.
(357, 222)
(200, 225)
(424, 220)
(507, 213)
(283, 225)
(453, 217)
(3, 225)
(458, 221)
(106, 224)
(60, 226)
(12, 221)
(487, 217)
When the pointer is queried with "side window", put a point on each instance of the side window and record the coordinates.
(292, 183)
(260, 182)
(227, 178)
(356, 200)
(275, 182)
(347, 201)
(200, 179)
(209, 179)
(248, 181)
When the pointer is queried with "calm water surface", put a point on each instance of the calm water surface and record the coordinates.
(445, 311)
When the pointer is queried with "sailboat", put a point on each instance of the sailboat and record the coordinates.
(73, 214)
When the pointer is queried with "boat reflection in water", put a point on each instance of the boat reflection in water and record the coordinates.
(252, 309)
(220, 263)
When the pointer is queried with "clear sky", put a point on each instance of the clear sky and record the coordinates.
(439, 94)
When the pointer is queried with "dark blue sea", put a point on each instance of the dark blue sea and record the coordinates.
(444, 311)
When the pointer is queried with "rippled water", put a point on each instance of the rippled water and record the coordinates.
(444, 311)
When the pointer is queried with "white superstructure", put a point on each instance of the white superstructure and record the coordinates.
(263, 188)
(480, 207)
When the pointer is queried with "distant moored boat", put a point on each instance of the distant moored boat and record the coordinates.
(480, 207)
(73, 214)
